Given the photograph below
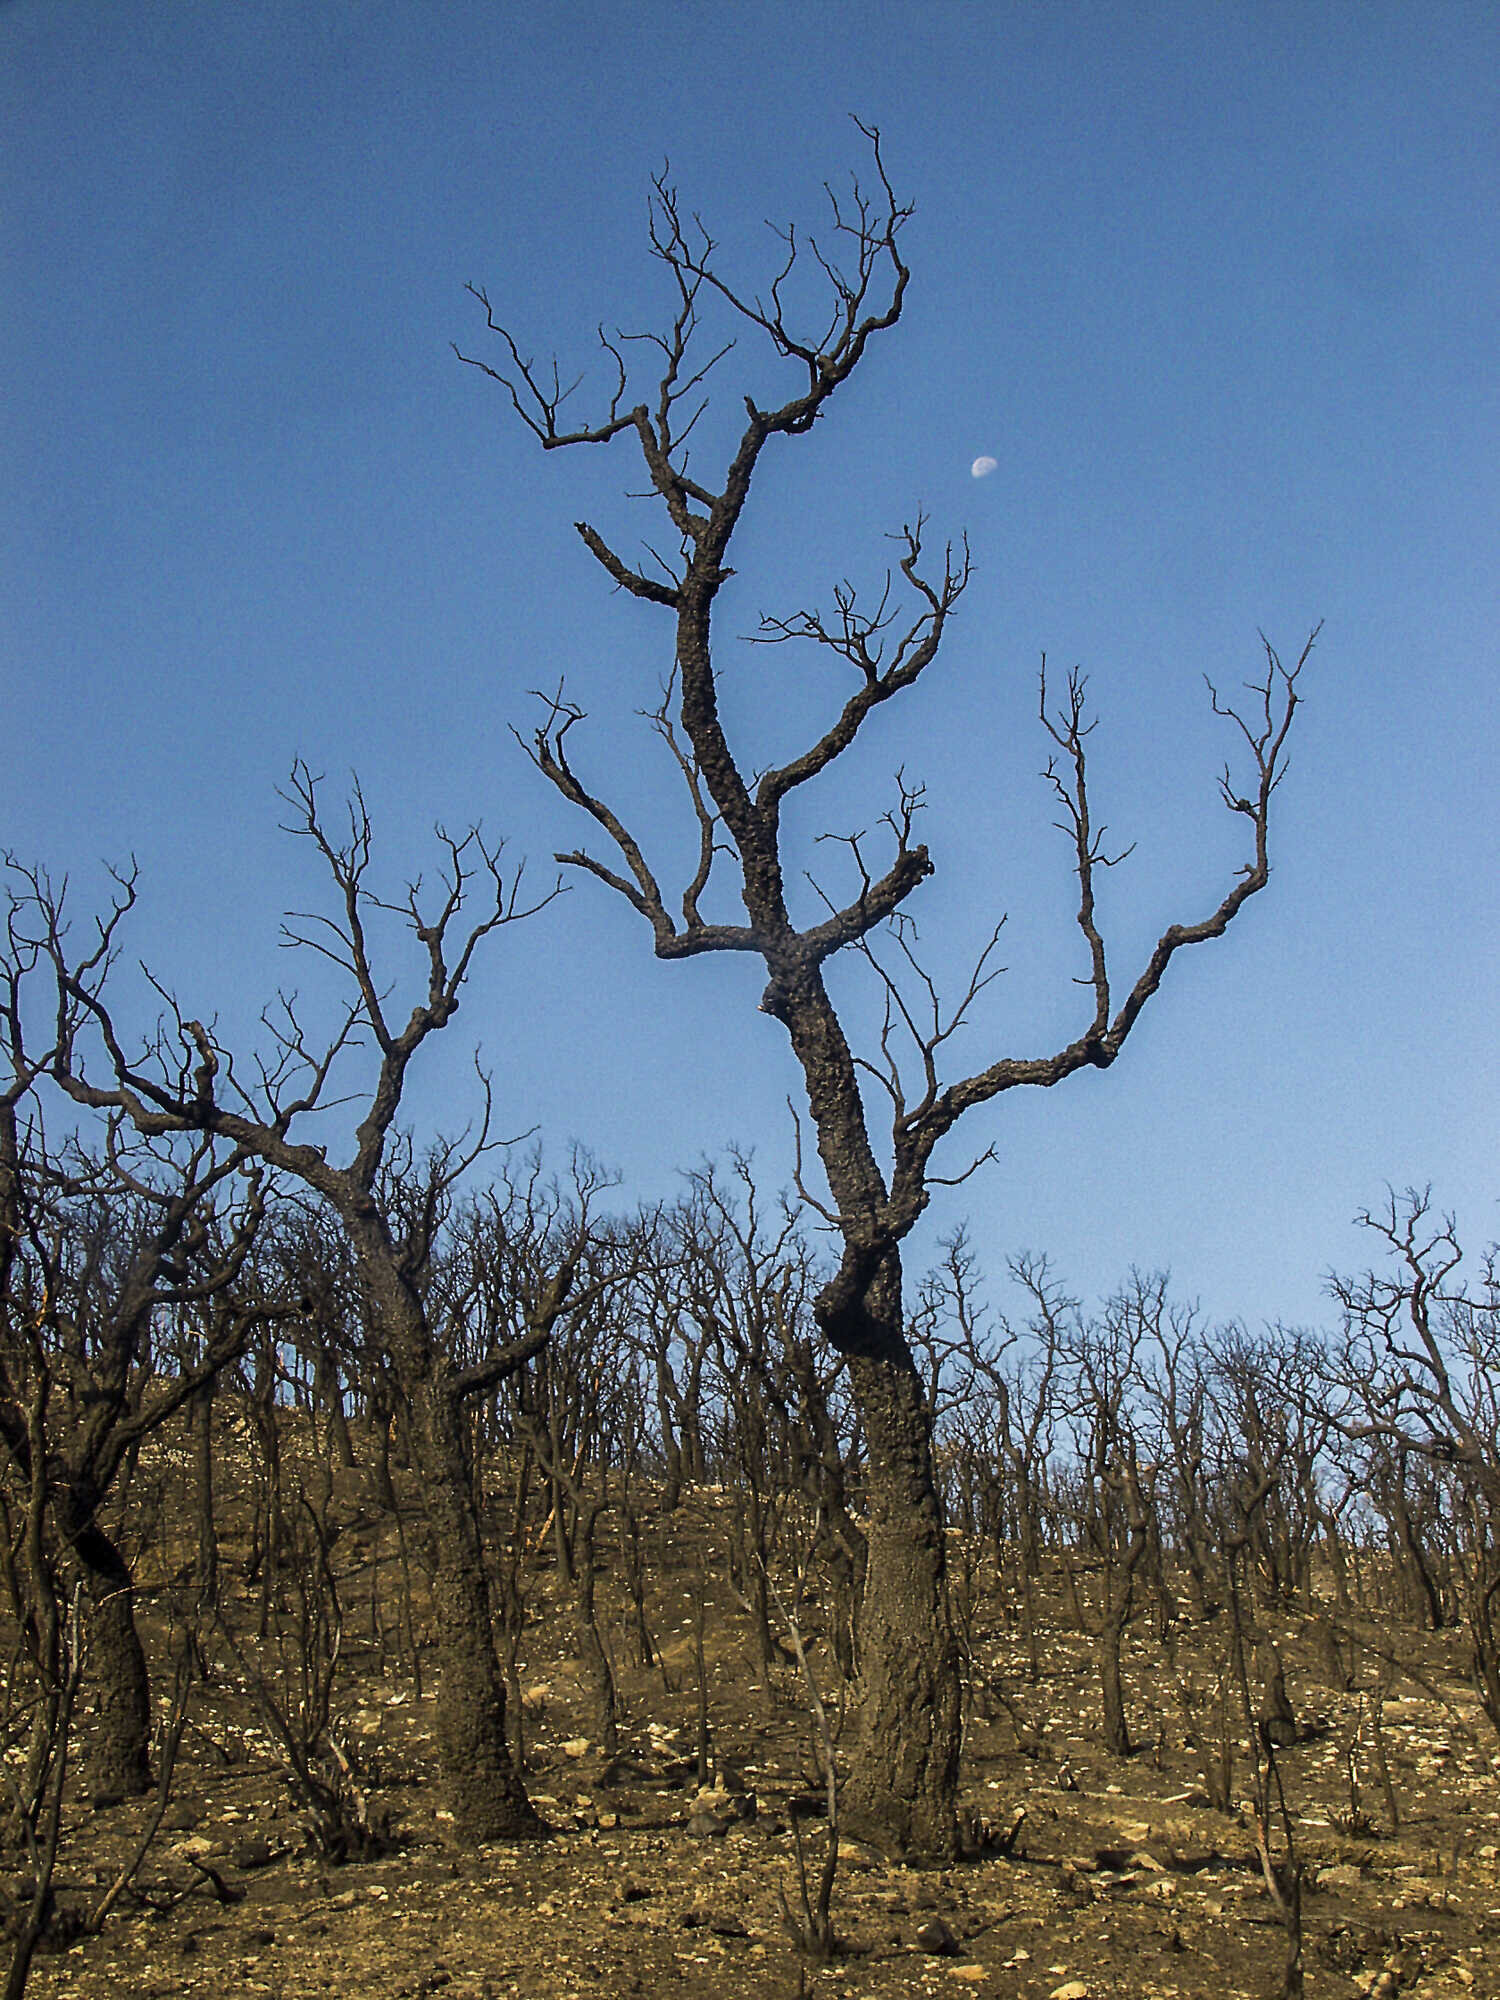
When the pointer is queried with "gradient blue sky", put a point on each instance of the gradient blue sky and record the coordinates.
(1216, 285)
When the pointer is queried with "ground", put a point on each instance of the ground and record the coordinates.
(1121, 1882)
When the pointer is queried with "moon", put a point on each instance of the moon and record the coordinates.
(983, 467)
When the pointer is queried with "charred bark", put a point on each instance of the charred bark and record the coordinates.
(121, 1761)
(902, 1790)
(486, 1795)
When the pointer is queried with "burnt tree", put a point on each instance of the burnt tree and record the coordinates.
(902, 1790)
(1420, 1371)
(184, 1081)
(102, 1241)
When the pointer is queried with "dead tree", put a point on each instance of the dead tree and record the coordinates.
(902, 1790)
(1116, 1498)
(1421, 1370)
(745, 1281)
(678, 1352)
(558, 1415)
(1175, 1389)
(1020, 1401)
(1272, 1389)
(184, 1081)
(567, 1400)
(100, 1279)
(100, 1242)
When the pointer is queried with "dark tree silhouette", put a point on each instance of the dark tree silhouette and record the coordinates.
(101, 1240)
(1421, 1374)
(184, 1081)
(902, 1790)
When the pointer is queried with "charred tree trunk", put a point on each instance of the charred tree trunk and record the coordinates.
(486, 1795)
(1275, 1716)
(902, 1791)
(121, 1767)
(1111, 1675)
(328, 1393)
(485, 1792)
(593, 1660)
(206, 1552)
(1123, 1556)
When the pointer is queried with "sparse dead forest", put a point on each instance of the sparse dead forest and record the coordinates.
(424, 1569)
(1222, 1602)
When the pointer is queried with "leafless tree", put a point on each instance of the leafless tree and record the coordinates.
(902, 1789)
(678, 1352)
(1174, 1388)
(1023, 1393)
(569, 1403)
(1421, 1365)
(745, 1275)
(106, 1243)
(1276, 1425)
(182, 1080)
(1116, 1498)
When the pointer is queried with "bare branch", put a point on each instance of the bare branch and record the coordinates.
(916, 649)
(548, 751)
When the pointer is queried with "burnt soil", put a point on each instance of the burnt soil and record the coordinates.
(1121, 1881)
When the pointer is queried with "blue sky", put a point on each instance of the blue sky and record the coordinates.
(1215, 285)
